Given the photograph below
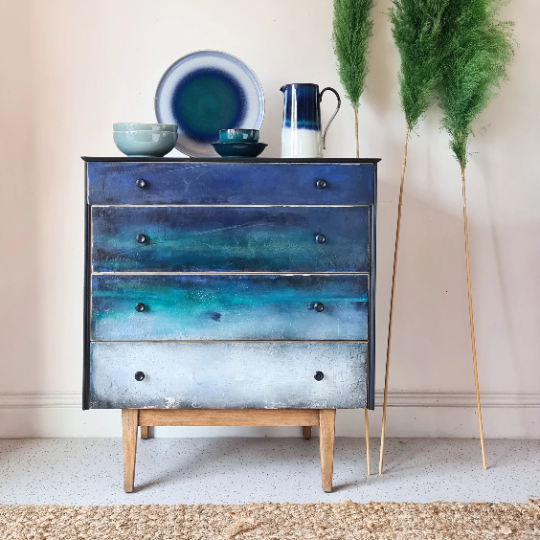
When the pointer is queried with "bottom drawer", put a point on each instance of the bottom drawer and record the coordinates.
(228, 375)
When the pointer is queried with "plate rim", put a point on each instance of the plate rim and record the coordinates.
(170, 68)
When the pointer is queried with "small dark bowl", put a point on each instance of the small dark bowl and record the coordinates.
(238, 135)
(239, 150)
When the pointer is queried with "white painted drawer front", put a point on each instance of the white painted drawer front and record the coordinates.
(221, 375)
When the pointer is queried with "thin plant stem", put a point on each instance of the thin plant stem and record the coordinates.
(356, 130)
(391, 318)
(471, 319)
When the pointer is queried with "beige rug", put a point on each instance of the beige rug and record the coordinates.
(343, 521)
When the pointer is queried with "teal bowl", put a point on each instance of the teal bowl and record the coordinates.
(239, 150)
(238, 135)
(145, 143)
(134, 126)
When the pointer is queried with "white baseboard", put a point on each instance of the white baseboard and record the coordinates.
(410, 414)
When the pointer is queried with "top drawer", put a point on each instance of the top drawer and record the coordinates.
(230, 183)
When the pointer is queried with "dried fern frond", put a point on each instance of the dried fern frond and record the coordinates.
(417, 31)
(352, 28)
(478, 51)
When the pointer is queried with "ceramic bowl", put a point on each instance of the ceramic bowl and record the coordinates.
(238, 135)
(145, 143)
(239, 150)
(134, 126)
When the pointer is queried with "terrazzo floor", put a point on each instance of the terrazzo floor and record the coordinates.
(235, 471)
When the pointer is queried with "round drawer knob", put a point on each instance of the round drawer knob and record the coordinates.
(321, 239)
(319, 376)
(139, 376)
(141, 183)
(318, 306)
(321, 184)
(140, 307)
(141, 238)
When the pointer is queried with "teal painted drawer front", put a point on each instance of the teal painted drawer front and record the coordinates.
(229, 307)
(225, 182)
(230, 239)
(228, 375)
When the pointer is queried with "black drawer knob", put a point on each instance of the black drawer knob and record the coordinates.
(141, 183)
(318, 306)
(321, 184)
(139, 376)
(321, 239)
(319, 376)
(141, 238)
(140, 307)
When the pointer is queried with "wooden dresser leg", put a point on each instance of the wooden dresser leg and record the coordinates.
(327, 423)
(130, 424)
(306, 432)
(146, 432)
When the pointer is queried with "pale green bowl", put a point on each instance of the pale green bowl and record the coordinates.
(134, 126)
(145, 143)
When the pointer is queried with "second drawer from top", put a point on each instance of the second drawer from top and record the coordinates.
(230, 239)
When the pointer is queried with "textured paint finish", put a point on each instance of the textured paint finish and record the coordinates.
(217, 330)
(245, 307)
(229, 183)
(230, 239)
(228, 375)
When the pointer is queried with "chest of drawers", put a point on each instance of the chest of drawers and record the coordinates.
(223, 292)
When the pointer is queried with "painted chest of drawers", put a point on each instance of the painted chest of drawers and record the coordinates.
(217, 285)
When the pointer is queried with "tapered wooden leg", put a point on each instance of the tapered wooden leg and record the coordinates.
(306, 432)
(327, 423)
(130, 421)
(146, 432)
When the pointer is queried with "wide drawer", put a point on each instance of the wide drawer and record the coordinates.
(230, 239)
(230, 307)
(230, 183)
(228, 375)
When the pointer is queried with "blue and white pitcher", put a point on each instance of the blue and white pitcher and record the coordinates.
(301, 135)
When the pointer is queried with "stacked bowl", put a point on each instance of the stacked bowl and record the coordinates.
(239, 143)
(145, 140)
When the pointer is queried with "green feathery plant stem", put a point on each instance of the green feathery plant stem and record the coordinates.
(352, 28)
(417, 31)
(478, 50)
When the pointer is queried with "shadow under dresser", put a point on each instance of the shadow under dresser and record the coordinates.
(229, 292)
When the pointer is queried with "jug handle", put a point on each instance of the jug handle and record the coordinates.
(333, 116)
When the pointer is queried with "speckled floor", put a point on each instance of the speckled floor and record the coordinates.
(233, 471)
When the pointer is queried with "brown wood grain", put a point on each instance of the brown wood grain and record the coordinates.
(146, 432)
(129, 443)
(327, 420)
(228, 417)
(306, 432)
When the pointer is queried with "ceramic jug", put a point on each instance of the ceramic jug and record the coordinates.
(301, 134)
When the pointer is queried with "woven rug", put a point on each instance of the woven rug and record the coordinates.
(341, 521)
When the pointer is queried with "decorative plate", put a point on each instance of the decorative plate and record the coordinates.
(204, 92)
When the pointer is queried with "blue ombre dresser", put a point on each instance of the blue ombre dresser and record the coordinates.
(229, 292)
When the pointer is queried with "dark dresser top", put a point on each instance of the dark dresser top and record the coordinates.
(229, 160)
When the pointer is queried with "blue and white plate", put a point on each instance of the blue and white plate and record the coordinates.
(204, 92)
